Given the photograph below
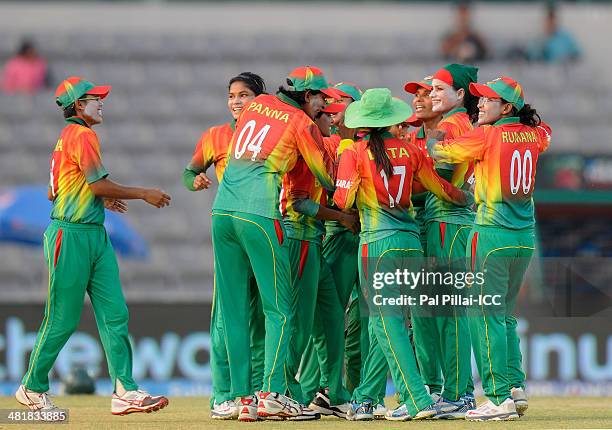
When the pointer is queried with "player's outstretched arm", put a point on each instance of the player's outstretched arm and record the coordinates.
(429, 178)
(470, 146)
(105, 188)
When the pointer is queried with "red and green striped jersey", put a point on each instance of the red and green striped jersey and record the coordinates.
(75, 164)
(300, 187)
(455, 123)
(212, 149)
(271, 133)
(384, 201)
(301, 196)
(505, 155)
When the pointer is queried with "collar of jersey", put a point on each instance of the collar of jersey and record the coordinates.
(421, 132)
(77, 120)
(454, 111)
(233, 124)
(508, 120)
(283, 98)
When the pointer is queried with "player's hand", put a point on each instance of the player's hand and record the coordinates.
(115, 205)
(201, 182)
(351, 221)
(436, 134)
(156, 198)
(438, 153)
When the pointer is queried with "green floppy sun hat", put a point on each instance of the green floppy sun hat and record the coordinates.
(377, 108)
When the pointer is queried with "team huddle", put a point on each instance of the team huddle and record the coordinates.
(322, 188)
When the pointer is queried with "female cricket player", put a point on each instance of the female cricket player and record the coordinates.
(340, 252)
(442, 337)
(505, 149)
(431, 370)
(317, 311)
(212, 149)
(80, 257)
(248, 234)
(378, 171)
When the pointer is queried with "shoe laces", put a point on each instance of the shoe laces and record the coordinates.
(136, 394)
(46, 401)
(401, 410)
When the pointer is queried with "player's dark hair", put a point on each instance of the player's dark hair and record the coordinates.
(376, 144)
(254, 82)
(470, 103)
(70, 111)
(297, 96)
(527, 116)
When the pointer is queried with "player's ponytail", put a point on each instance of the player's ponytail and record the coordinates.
(70, 111)
(254, 82)
(527, 116)
(470, 102)
(376, 145)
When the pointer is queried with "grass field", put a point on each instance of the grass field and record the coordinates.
(92, 412)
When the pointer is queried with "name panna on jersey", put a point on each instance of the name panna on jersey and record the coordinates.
(270, 113)
(519, 136)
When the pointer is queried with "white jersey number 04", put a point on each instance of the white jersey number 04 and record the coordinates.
(246, 140)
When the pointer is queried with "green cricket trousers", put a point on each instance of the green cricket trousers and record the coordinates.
(243, 244)
(503, 256)
(80, 259)
(442, 337)
(219, 363)
(316, 313)
(388, 329)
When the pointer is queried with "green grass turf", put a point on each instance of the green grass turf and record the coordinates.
(93, 412)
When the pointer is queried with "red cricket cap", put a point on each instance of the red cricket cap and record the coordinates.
(334, 108)
(334, 93)
(412, 87)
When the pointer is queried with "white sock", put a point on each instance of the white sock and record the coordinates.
(119, 388)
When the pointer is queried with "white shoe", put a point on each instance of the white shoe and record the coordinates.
(227, 410)
(380, 411)
(136, 401)
(40, 402)
(520, 400)
(489, 412)
(398, 414)
(36, 401)
(276, 405)
(247, 408)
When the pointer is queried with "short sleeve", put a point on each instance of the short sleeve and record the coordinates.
(88, 157)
